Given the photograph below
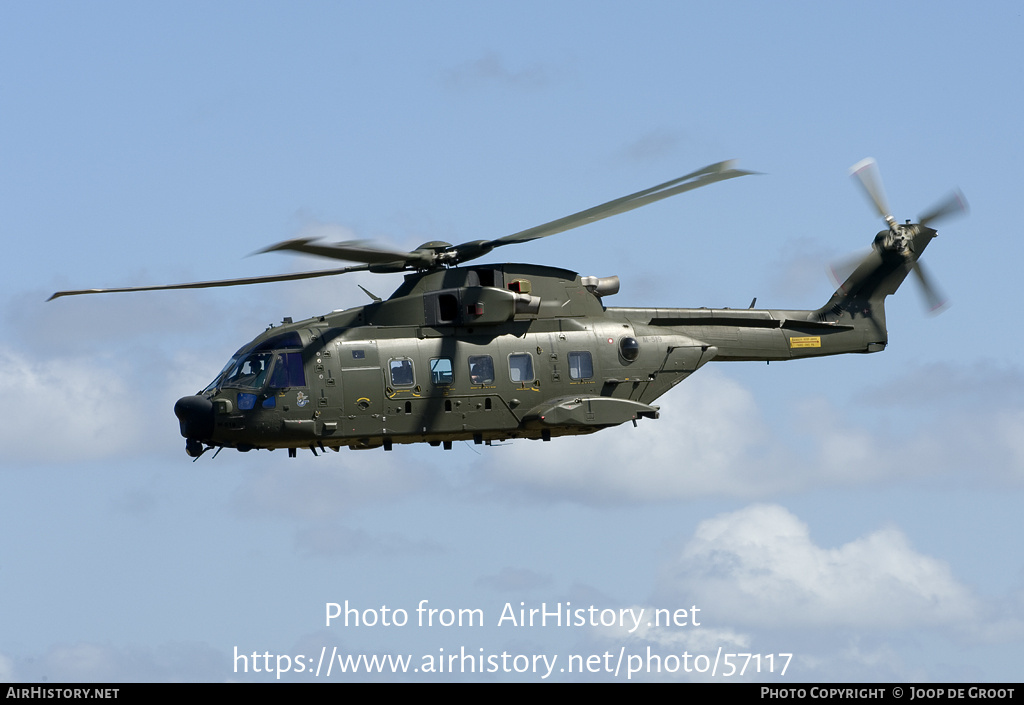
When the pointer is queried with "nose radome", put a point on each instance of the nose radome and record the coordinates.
(195, 416)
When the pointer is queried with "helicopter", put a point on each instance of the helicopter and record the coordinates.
(489, 353)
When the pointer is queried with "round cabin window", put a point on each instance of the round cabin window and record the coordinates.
(629, 349)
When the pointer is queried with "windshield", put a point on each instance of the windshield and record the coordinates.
(215, 384)
(250, 372)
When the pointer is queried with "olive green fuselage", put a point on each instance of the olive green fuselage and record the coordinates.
(486, 353)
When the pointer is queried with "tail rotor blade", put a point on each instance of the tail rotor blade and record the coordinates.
(901, 239)
(840, 271)
(954, 204)
(866, 172)
(937, 303)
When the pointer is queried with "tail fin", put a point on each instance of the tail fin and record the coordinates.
(860, 299)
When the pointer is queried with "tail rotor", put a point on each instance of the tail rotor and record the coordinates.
(907, 240)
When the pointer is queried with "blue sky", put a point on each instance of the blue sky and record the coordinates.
(858, 512)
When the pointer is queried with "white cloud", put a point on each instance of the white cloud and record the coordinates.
(1008, 431)
(763, 586)
(695, 638)
(7, 674)
(67, 409)
(333, 539)
(716, 438)
(332, 489)
(709, 441)
(759, 567)
(84, 661)
(94, 405)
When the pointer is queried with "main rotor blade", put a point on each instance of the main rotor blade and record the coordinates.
(866, 172)
(701, 177)
(358, 251)
(379, 259)
(953, 204)
(350, 251)
(220, 282)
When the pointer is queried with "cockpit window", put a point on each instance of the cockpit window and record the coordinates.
(216, 383)
(250, 372)
(288, 371)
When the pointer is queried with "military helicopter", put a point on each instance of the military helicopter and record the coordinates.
(487, 353)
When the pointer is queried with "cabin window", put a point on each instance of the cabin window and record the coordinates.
(520, 367)
(481, 369)
(401, 372)
(441, 370)
(629, 349)
(581, 365)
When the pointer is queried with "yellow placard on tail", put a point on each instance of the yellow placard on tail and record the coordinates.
(810, 341)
